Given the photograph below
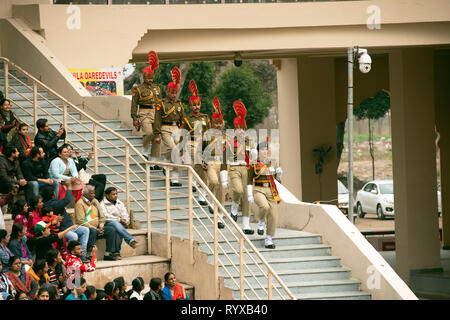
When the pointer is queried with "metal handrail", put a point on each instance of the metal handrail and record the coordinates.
(192, 176)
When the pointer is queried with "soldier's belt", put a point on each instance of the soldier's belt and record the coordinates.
(262, 183)
(238, 164)
(143, 106)
(195, 138)
(170, 123)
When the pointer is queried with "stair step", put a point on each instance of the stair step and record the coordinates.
(305, 287)
(339, 295)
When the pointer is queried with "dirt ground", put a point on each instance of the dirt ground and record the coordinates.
(370, 222)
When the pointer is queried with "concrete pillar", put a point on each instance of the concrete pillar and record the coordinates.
(317, 123)
(442, 103)
(288, 120)
(414, 161)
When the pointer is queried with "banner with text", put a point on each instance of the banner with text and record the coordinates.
(101, 81)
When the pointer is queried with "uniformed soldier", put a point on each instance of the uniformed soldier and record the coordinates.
(238, 152)
(262, 191)
(215, 158)
(144, 100)
(197, 123)
(168, 118)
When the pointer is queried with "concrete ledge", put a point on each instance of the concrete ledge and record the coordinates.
(146, 267)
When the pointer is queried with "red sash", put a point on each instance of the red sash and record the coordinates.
(273, 186)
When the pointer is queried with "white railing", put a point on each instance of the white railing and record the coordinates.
(136, 177)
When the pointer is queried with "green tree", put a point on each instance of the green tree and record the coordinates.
(372, 109)
(241, 83)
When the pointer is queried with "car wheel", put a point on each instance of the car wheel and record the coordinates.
(380, 213)
(359, 210)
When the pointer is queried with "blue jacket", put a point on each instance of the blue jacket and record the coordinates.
(16, 249)
(57, 168)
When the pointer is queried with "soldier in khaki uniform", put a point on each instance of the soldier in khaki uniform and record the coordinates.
(238, 159)
(145, 99)
(215, 158)
(197, 123)
(168, 118)
(262, 191)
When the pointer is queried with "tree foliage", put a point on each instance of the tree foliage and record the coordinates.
(241, 83)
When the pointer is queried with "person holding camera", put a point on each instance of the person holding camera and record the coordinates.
(48, 138)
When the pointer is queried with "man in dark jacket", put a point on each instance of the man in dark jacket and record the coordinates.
(35, 171)
(48, 139)
(10, 171)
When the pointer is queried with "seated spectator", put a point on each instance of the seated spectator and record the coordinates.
(43, 294)
(96, 180)
(91, 293)
(121, 284)
(18, 246)
(78, 290)
(112, 291)
(19, 213)
(173, 290)
(56, 270)
(35, 171)
(48, 138)
(101, 295)
(22, 296)
(4, 201)
(44, 238)
(74, 266)
(116, 216)
(34, 215)
(54, 223)
(5, 253)
(51, 290)
(22, 281)
(155, 292)
(137, 287)
(63, 169)
(8, 121)
(81, 233)
(10, 171)
(22, 142)
(39, 272)
(89, 213)
(6, 287)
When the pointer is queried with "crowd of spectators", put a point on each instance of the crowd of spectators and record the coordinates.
(47, 251)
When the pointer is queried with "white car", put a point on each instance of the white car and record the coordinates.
(342, 197)
(376, 196)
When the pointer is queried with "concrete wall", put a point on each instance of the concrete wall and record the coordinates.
(356, 253)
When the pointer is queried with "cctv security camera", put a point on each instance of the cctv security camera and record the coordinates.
(237, 59)
(365, 62)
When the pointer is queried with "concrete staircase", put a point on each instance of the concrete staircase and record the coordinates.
(301, 260)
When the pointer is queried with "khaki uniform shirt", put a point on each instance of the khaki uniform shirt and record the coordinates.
(168, 114)
(144, 95)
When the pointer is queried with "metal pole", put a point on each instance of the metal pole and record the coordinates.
(350, 134)
(35, 107)
(241, 267)
(168, 240)
(127, 176)
(6, 74)
(216, 253)
(149, 212)
(191, 219)
(95, 147)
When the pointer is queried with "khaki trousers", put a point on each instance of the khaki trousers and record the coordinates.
(213, 173)
(238, 181)
(196, 149)
(267, 208)
(168, 144)
(147, 117)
